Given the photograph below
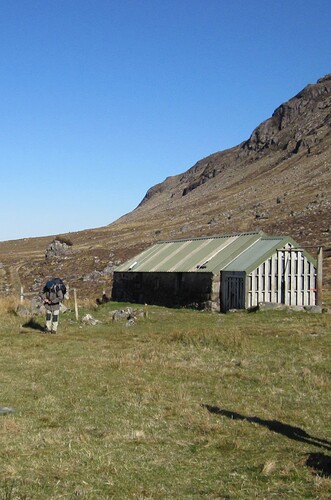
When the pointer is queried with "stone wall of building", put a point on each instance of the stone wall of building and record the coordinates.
(167, 289)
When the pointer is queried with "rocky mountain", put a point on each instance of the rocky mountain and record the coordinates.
(277, 181)
(281, 171)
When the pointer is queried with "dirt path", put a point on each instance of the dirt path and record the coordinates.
(3, 281)
(10, 282)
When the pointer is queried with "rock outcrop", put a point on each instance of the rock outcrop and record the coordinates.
(57, 248)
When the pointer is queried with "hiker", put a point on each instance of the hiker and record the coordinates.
(52, 295)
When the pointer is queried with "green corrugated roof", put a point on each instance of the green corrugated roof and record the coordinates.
(260, 251)
(210, 254)
(252, 257)
(236, 252)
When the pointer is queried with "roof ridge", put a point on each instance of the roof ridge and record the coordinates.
(215, 237)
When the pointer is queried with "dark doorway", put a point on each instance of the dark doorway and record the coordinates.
(232, 292)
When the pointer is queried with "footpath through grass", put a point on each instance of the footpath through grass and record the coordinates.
(183, 404)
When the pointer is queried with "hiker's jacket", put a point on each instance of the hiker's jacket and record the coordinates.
(53, 297)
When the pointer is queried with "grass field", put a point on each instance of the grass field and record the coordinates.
(182, 404)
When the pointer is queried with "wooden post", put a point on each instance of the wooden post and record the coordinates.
(76, 306)
(22, 295)
(319, 283)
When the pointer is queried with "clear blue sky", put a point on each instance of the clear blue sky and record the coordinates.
(102, 99)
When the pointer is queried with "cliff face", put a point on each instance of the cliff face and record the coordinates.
(300, 125)
(297, 125)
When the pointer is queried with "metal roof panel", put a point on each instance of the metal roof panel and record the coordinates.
(252, 257)
(209, 254)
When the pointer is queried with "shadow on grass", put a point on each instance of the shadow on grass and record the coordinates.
(34, 325)
(320, 463)
(287, 430)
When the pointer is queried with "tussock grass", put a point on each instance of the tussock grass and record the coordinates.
(8, 305)
(183, 404)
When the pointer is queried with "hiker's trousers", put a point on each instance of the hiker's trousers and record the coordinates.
(52, 317)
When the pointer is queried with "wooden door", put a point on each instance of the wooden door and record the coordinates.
(233, 292)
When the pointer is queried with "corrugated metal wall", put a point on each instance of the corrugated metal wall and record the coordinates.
(287, 277)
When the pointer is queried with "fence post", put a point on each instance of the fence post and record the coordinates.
(22, 295)
(76, 306)
(319, 276)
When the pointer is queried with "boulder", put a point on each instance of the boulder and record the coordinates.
(57, 248)
(89, 320)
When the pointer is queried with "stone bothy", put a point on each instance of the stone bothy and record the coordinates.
(236, 271)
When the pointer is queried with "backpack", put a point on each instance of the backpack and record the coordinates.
(56, 285)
